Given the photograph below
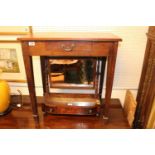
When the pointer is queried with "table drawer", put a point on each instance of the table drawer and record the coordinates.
(70, 48)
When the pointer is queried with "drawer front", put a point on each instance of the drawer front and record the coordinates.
(70, 48)
(70, 110)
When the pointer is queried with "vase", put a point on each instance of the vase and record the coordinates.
(4, 96)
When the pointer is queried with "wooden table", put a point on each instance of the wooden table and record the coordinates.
(70, 44)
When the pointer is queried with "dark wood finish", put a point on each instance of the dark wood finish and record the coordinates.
(21, 118)
(82, 36)
(43, 66)
(146, 91)
(81, 48)
(64, 109)
(30, 79)
(70, 45)
(110, 76)
(68, 104)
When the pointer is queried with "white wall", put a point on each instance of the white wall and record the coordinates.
(129, 60)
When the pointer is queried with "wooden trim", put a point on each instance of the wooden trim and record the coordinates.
(9, 41)
(18, 32)
(16, 81)
(14, 33)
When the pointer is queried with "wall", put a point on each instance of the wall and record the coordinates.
(129, 60)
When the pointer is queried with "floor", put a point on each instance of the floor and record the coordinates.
(21, 118)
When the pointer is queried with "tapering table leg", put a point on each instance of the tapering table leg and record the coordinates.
(110, 77)
(31, 86)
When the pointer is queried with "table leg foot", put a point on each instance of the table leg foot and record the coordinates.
(36, 119)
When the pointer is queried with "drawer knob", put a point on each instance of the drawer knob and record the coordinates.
(67, 48)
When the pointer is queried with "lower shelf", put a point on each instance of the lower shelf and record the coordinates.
(71, 104)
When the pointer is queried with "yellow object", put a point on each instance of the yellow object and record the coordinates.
(129, 107)
(151, 121)
(4, 96)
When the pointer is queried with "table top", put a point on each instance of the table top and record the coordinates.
(87, 36)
